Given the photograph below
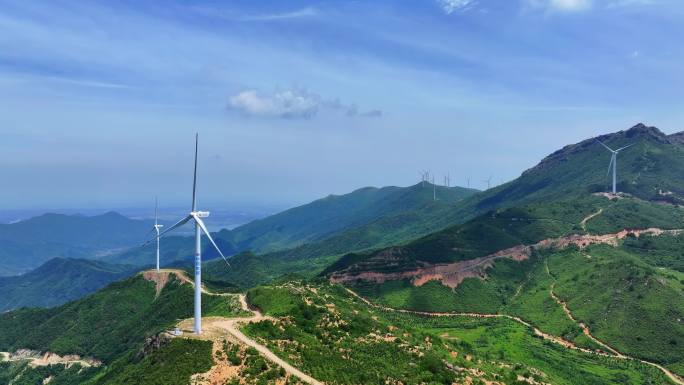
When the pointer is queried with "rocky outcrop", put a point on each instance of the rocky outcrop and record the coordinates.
(152, 344)
(452, 274)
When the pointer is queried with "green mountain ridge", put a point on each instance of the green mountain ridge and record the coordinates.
(57, 281)
(335, 224)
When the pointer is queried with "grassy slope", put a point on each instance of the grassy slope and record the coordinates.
(333, 338)
(628, 303)
(526, 225)
(334, 214)
(634, 306)
(104, 325)
(365, 218)
(58, 281)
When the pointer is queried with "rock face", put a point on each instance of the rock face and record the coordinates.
(152, 344)
(452, 274)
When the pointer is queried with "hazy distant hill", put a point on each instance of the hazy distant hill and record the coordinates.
(27, 244)
(57, 281)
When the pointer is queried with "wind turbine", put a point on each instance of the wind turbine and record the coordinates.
(196, 216)
(613, 162)
(434, 189)
(156, 229)
(489, 182)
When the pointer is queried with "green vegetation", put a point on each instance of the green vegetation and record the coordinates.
(172, 364)
(20, 373)
(58, 281)
(339, 340)
(636, 308)
(334, 214)
(627, 303)
(107, 323)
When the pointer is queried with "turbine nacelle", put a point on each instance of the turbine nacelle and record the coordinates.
(200, 214)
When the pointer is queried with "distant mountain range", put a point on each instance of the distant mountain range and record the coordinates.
(57, 281)
(27, 244)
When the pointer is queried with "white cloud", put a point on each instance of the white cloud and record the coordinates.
(304, 12)
(560, 5)
(451, 6)
(294, 103)
(570, 5)
(284, 104)
(581, 5)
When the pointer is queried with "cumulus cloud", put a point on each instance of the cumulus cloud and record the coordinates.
(292, 104)
(451, 6)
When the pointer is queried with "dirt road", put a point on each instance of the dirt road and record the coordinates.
(549, 337)
(214, 327)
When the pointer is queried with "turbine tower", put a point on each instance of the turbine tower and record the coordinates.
(196, 216)
(156, 229)
(613, 162)
(434, 189)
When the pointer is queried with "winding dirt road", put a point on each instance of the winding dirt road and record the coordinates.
(589, 217)
(220, 326)
(549, 337)
(232, 326)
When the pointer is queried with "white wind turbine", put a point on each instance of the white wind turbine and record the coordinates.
(489, 182)
(156, 229)
(200, 228)
(613, 162)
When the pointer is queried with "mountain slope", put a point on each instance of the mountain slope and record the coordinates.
(365, 218)
(572, 173)
(649, 170)
(514, 259)
(331, 215)
(28, 244)
(57, 281)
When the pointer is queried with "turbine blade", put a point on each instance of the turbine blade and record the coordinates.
(206, 232)
(155, 211)
(622, 148)
(602, 144)
(178, 224)
(612, 161)
(194, 178)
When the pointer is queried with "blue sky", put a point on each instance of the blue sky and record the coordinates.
(294, 100)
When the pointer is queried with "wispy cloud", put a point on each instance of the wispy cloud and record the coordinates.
(291, 104)
(299, 13)
(451, 6)
(583, 5)
(560, 5)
